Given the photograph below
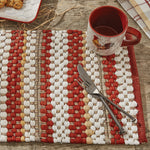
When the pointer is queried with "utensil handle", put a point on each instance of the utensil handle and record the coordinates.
(112, 115)
(131, 117)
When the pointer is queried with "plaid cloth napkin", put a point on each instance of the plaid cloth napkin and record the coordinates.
(139, 10)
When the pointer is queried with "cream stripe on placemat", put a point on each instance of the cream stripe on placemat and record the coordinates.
(5, 40)
(97, 117)
(58, 80)
(29, 88)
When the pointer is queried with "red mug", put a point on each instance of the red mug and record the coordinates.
(106, 31)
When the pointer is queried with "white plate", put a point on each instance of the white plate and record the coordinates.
(26, 14)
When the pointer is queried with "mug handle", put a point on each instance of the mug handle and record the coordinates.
(134, 32)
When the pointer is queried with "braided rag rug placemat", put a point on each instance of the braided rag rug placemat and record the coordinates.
(40, 99)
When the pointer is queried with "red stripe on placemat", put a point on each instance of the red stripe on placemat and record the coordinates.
(76, 104)
(112, 92)
(46, 106)
(137, 93)
(13, 96)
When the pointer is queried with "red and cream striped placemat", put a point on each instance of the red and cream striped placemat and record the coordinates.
(41, 101)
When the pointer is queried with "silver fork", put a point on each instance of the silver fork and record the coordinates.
(92, 90)
(95, 92)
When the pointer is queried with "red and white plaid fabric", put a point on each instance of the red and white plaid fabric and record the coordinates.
(139, 10)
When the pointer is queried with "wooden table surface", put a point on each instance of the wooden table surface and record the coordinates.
(73, 14)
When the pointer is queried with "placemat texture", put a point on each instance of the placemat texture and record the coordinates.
(40, 100)
(139, 10)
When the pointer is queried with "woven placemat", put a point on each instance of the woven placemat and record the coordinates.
(40, 99)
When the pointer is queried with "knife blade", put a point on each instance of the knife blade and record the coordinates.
(84, 74)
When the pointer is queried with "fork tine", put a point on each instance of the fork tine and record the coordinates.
(80, 82)
(86, 83)
(84, 79)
